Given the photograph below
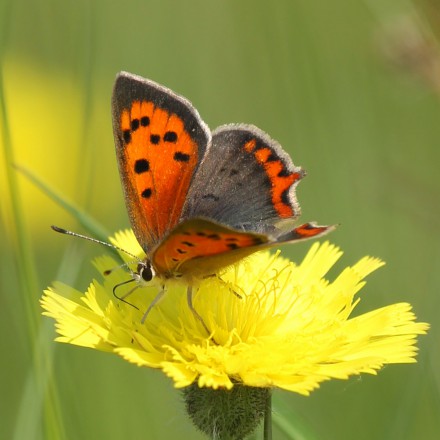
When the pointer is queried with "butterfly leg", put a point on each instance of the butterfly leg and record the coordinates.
(189, 297)
(219, 278)
(156, 299)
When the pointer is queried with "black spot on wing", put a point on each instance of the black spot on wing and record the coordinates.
(170, 136)
(181, 157)
(145, 121)
(127, 136)
(146, 193)
(154, 139)
(188, 243)
(141, 166)
(213, 236)
(134, 124)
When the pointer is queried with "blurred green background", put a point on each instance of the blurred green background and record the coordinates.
(350, 88)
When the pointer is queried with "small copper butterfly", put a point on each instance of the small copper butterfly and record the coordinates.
(198, 201)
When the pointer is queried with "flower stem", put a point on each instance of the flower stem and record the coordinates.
(268, 417)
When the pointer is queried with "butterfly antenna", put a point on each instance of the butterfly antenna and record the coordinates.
(120, 266)
(122, 298)
(85, 237)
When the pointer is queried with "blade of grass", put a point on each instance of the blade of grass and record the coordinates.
(39, 389)
(93, 227)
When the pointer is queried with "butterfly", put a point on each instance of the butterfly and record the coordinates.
(199, 201)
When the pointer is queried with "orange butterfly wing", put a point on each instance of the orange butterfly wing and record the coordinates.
(198, 247)
(160, 140)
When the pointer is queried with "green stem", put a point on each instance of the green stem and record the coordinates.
(268, 417)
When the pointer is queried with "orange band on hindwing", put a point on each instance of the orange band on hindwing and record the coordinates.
(199, 238)
(308, 230)
(280, 177)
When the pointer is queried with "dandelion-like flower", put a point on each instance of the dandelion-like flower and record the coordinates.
(273, 323)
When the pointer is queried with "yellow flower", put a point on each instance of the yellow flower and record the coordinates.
(273, 323)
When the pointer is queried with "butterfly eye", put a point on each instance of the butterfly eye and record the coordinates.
(145, 271)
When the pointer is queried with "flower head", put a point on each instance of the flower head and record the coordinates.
(273, 323)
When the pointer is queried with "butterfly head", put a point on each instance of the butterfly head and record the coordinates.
(145, 273)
